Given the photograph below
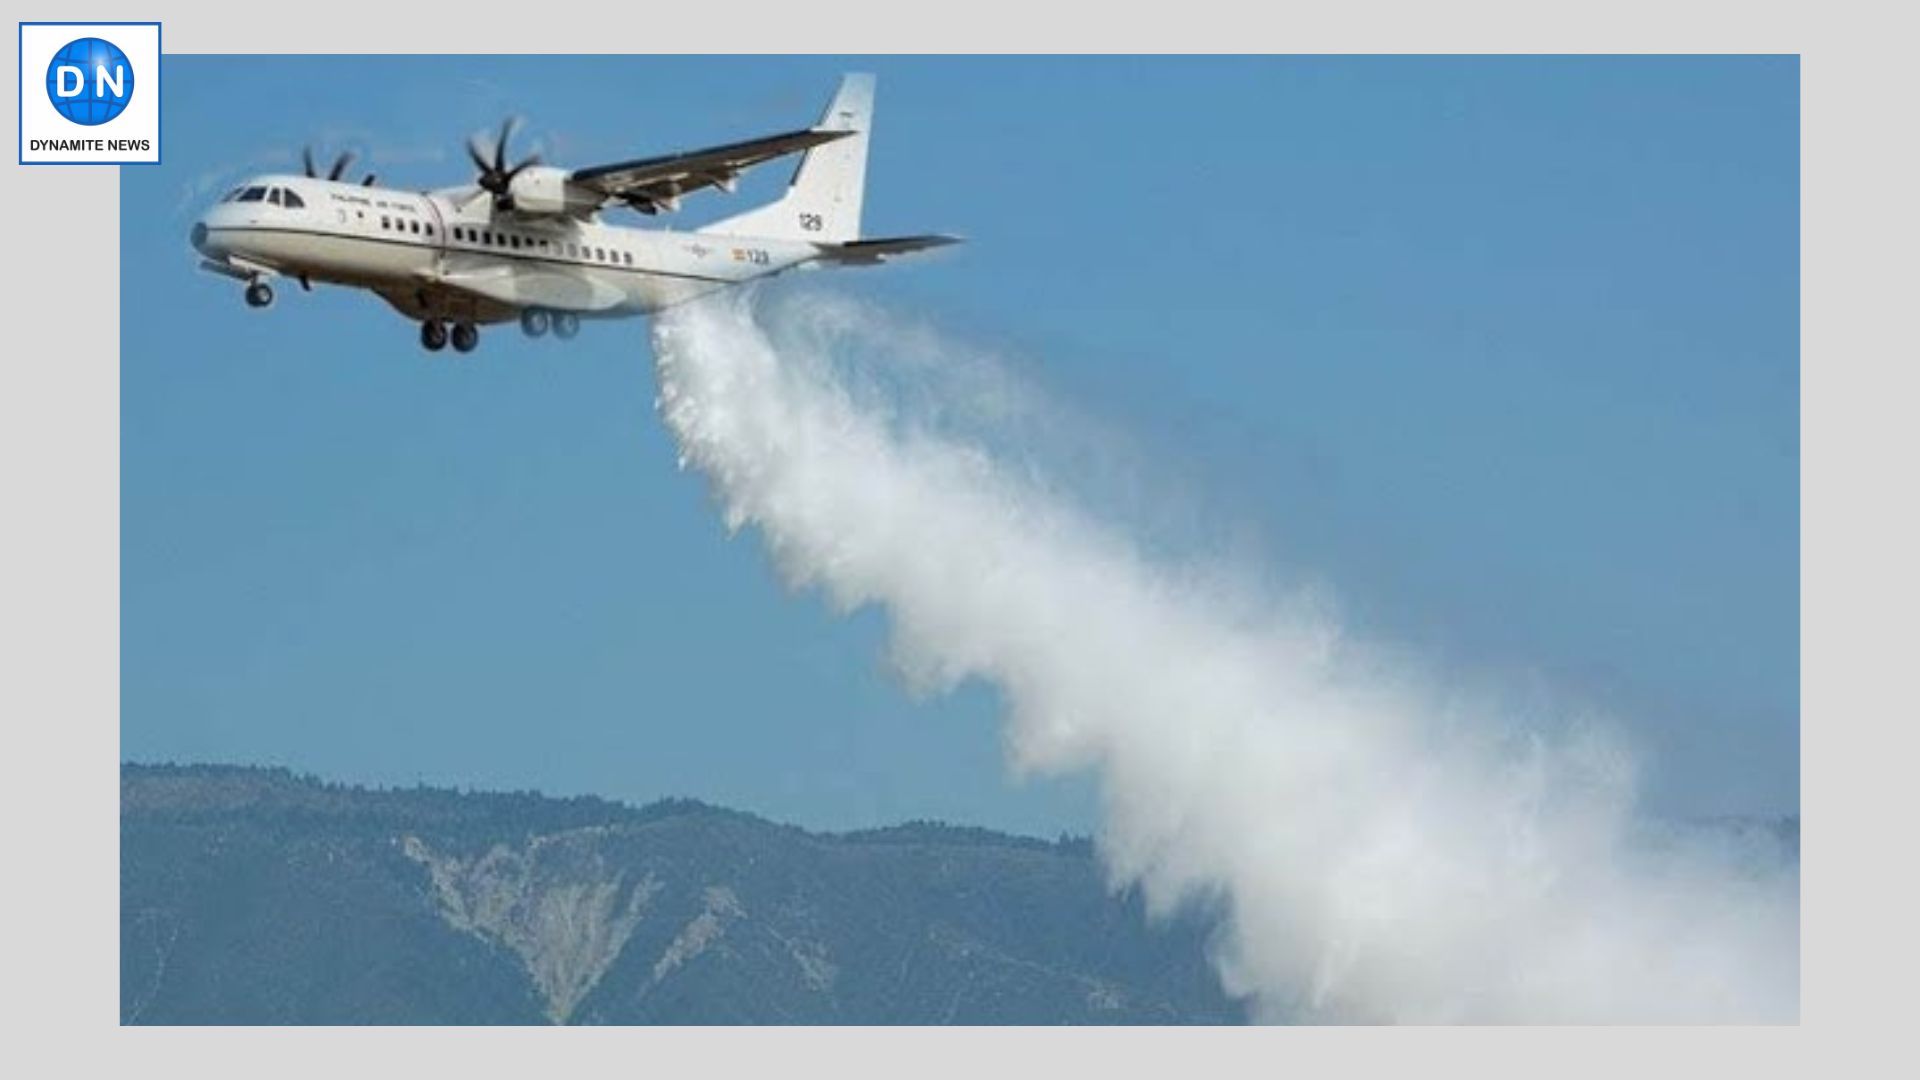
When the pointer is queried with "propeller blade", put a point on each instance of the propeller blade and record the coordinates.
(340, 165)
(305, 283)
(306, 158)
(500, 148)
(506, 178)
(368, 182)
(478, 154)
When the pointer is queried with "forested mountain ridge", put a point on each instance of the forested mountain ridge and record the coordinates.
(257, 896)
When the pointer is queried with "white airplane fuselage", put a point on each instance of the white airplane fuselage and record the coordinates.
(445, 256)
(526, 241)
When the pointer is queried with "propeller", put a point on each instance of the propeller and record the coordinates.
(339, 165)
(495, 176)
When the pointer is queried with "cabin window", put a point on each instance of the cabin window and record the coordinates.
(386, 222)
(413, 227)
(628, 256)
(600, 253)
(457, 234)
(429, 230)
(291, 201)
(252, 194)
(573, 251)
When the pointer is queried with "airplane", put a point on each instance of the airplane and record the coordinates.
(527, 242)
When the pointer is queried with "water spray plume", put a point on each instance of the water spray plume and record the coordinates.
(1378, 848)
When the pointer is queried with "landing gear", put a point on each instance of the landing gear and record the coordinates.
(465, 337)
(534, 321)
(565, 325)
(433, 335)
(259, 294)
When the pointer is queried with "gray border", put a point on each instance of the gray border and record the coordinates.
(59, 454)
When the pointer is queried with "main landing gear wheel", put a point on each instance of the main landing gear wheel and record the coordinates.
(565, 324)
(433, 335)
(465, 337)
(534, 322)
(259, 294)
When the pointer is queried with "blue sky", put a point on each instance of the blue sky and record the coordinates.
(1504, 350)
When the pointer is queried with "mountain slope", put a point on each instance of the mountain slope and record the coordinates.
(254, 896)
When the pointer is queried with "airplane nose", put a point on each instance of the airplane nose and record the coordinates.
(198, 238)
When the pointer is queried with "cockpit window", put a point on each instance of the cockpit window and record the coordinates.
(291, 201)
(273, 196)
(252, 194)
(232, 195)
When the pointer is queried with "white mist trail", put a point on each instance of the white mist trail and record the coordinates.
(1379, 850)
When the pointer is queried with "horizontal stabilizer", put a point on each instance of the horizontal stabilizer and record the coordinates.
(870, 252)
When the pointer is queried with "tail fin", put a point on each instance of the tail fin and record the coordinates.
(823, 201)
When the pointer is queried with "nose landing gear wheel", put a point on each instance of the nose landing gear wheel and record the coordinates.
(465, 337)
(534, 322)
(259, 294)
(433, 335)
(565, 324)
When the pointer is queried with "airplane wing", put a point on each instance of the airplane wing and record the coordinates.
(653, 184)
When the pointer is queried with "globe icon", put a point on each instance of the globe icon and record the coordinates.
(90, 81)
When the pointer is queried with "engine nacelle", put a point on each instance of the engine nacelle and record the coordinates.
(543, 189)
